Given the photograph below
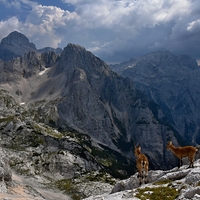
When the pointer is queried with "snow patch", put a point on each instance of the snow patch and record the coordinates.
(130, 66)
(43, 72)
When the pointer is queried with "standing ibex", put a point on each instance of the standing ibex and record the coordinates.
(180, 152)
(142, 164)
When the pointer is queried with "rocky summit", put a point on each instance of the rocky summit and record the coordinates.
(69, 123)
(16, 44)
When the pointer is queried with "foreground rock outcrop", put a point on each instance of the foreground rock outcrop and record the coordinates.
(5, 171)
(42, 156)
(179, 184)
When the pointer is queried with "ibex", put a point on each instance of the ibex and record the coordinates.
(142, 164)
(180, 152)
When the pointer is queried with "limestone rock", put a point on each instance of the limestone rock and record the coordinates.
(183, 180)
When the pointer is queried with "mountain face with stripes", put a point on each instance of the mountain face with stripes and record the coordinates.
(172, 82)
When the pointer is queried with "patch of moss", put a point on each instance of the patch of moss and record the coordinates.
(158, 193)
(100, 177)
(35, 140)
(82, 138)
(46, 130)
(7, 119)
(183, 187)
(115, 163)
(167, 181)
(14, 146)
(67, 186)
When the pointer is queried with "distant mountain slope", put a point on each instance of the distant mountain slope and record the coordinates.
(49, 49)
(16, 44)
(173, 83)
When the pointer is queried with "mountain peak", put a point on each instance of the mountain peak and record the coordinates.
(12, 36)
(14, 45)
(73, 48)
(16, 38)
(76, 56)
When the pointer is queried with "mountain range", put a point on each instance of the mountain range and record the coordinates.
(76, 90)
(16, 44)
(172, 82)
(67, 113)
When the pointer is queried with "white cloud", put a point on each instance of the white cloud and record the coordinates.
(18, 4)
(114, 27)
(194, 25)
(9, 4)
(8, 26)
(44, 23)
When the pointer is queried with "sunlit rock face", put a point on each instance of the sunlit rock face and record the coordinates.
(178, 184)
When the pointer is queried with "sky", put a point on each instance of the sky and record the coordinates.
(113, 30)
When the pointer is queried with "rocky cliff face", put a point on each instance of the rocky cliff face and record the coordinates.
(172, 82)
(96, 101)
(77, 91)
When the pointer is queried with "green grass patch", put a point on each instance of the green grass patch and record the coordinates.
(7, 119)
(167, 181)
(158, 193)
(100, 177)
(46, 130)
(67, 186)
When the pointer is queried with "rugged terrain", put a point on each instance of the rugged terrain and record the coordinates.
(69, 123)
(47, 158)
(173, 83)
(182, 183)
(173, 184)
(77, 91)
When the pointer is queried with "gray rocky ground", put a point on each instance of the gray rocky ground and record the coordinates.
(179, 184)
(28, 188)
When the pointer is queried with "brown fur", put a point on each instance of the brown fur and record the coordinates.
(142, 164)
(180, 152)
